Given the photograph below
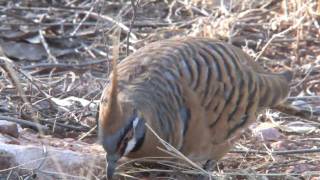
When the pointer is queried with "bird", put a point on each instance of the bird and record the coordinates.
(197, 94)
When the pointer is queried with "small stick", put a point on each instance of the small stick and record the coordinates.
(134, 9)
(87, 14)
(34, 125)
(285, 152)
(279, 35)
(64, 66)
(13, 76)
(89, 132)
(46, 47)
(173, 150)
(302, 113)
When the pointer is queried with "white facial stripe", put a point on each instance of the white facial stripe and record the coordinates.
(130, 145)
(135, 123)
(132, 142)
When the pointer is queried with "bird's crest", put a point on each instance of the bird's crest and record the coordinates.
(112, 106)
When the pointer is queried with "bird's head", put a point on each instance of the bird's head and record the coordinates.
(121, 125)
(122, 130)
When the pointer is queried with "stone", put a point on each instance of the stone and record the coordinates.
(9, 128)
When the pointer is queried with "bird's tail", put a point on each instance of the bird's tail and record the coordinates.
(274, 88)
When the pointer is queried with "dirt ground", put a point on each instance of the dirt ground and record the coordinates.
(55, 60)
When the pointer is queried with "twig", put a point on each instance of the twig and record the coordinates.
(279, 35)
(61, 175)
(168, 18)
(34, 125)
(46, 47)
(67, 126)
(14, 78)
(134, 9)
(87, 14)
(45, 153)
(305, 98)
(78, 10)
(311, 69)
(30, 79)
(21, 165)
(196, 9)
(302, 113)
(87, 133)
(264, 175)
(170, 148)
(64, 66)
(52, 103)
(286, 152)
(119, 24)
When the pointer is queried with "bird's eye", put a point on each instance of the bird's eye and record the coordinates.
(125, 140)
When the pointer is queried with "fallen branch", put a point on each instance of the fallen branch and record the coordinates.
(63, 66)
(285, 152)
(302, 113)
(37, 126)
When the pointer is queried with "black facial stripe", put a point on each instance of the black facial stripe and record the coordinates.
(126, 129)
(122, 149)
(139, 135)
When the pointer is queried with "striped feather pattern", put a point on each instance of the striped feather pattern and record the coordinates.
(196, 93)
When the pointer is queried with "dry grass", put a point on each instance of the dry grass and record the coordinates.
(74, 39)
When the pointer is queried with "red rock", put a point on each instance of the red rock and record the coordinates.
(9, 128)
(266, 132)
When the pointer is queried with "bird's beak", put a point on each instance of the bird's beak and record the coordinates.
(111, 165)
